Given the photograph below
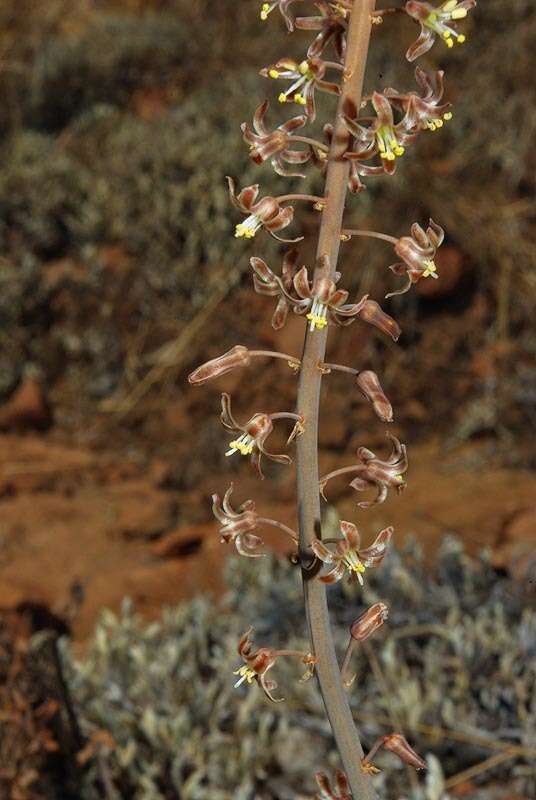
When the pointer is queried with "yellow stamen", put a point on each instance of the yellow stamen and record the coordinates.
(316, 321)
(300, 99)
(430, 271)
(303, 67)
(461, 38)
(282, 98)
(246, 674)
(242, 230)
(447, 115)
(265, 10)
(273, 73)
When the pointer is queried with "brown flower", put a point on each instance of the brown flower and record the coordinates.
(332, 25)
(348, 554)
(237, 526)
(306, 76)
(373, 471)
(381, 137)
(417, 253)
(436, 22)
(320, 300)
(371, 389)
(252, 435)
(264, 213)
(425, 111)
(237, 356)
(397, 744)
(274, 145)
(369, 622)
(341, 791)
(258, 662)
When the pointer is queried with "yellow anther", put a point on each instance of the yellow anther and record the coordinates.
(390, 156)
(282, 97)
(376, 20)
(319, 206)
(430, 271)
(245, 231)
(399, 151)
(300, 99)
(439, 123)
(431, 126)
(303, 67)
(461, 38)
(450, 42)
(265, 10)
(345, 237)
(273, 73)
(432, 18)
(447, 115)
(317, 322)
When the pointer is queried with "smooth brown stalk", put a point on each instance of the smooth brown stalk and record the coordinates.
(327, 668)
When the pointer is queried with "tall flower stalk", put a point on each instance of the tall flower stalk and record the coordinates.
(367, 138)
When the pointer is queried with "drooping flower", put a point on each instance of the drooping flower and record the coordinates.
(435, 22)
(237, 356)
(348, 555)
(393, 743)
(381, 137)
(332, 25)
(373, 618)
(320, 300)
(306, 77)
(417, 253)
(237, 526)
(424, 111)
(258, 662)
(268, 283)
(375, 472)
(252, 435)
(369, 385)
(265, 213)
(274, 145)
(341, 790)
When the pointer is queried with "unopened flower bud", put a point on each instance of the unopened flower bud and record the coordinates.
(372, 313)
(370, 386)
(365, 625)
(398, 745)
(237, 356)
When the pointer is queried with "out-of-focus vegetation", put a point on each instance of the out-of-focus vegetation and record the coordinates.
(454, 669)
(119, 123)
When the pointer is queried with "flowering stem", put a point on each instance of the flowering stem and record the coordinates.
(327, 667)
(275, 524)
(371, 234)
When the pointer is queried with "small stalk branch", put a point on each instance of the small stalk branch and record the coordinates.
(327, 667)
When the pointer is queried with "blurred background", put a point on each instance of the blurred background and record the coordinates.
(119, 273)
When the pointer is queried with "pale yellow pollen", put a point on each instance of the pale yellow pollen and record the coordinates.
(246, 674)
(265, 10)
(429, 272)
(242, 230)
